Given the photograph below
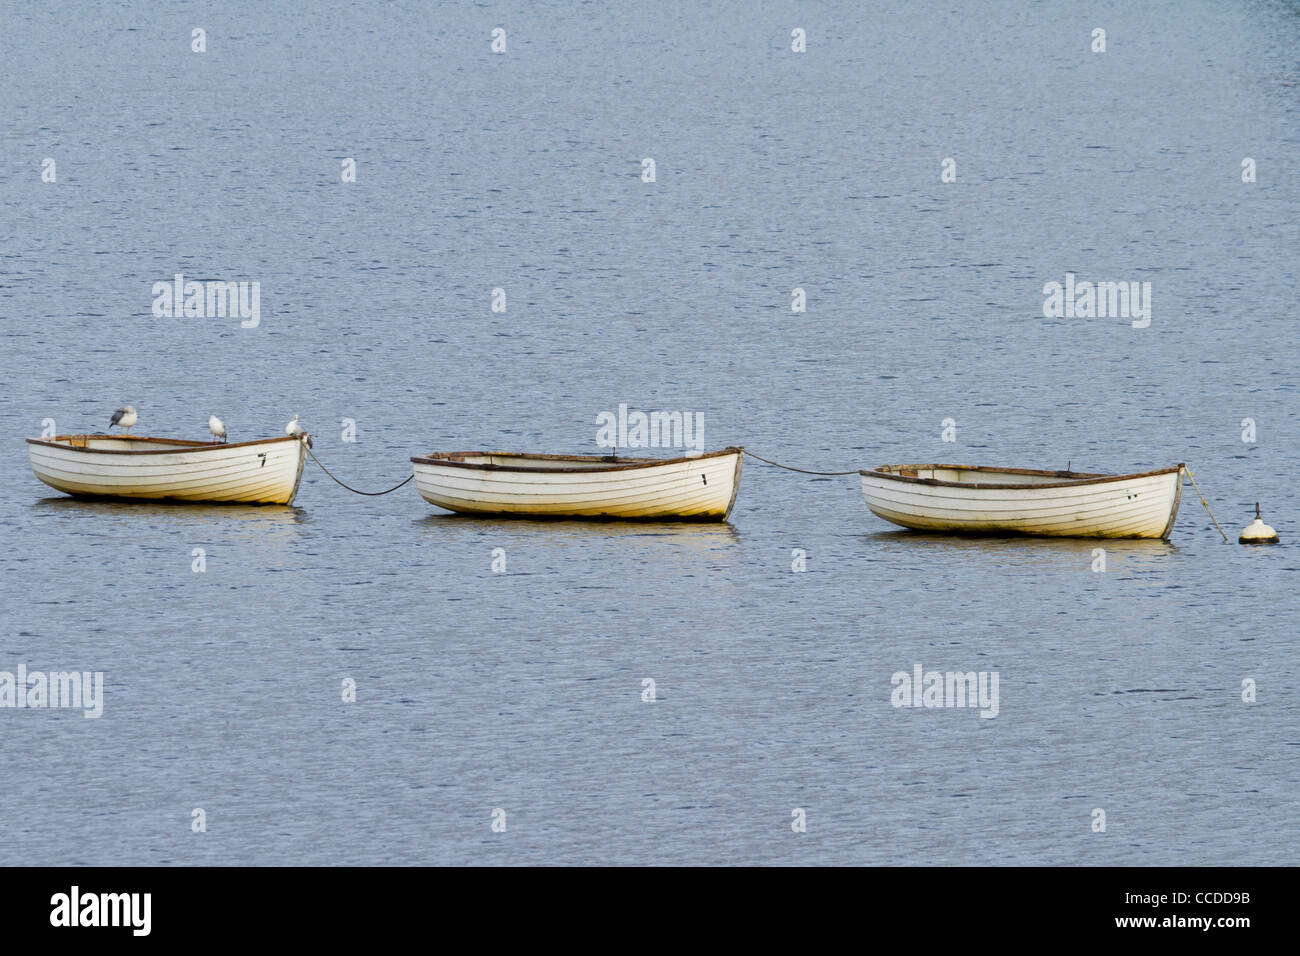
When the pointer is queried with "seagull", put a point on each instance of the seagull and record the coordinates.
(124, 417)
(294, 430)
(217, 427)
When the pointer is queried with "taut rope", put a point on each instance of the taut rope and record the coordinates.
(1204, 502)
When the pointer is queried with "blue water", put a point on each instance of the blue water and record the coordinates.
(522, 691)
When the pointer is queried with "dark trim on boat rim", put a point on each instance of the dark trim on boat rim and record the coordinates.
(1074, 478)
(187, 445)
(452, 459)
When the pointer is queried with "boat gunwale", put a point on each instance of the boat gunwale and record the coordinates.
(185, 445)
(1085, 478)
(450, 459)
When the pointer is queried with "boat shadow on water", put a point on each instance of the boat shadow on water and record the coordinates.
(1019, 548)
(170, 512)
(570, 531)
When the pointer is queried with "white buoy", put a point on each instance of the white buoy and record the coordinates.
(1258, 532)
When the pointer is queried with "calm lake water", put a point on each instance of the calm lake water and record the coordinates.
(522, 691)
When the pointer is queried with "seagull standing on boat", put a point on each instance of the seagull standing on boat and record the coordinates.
(217, 427)
(295, 430)
(124, 417)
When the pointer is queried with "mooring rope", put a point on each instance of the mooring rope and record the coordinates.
(357, 491)
(802, 471)
(1204, 502)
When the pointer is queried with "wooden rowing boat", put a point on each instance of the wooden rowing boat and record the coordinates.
(702, 488)
(971, 499)
(109, 466)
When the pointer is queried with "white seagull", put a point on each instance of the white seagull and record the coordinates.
(217, 427)
(124, 417)
(295, 430)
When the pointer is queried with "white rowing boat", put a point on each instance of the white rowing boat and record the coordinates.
(968, 499)
(702, 488)
(261, 472)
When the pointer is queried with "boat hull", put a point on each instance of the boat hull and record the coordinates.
(257, 472)
(549, 486)
(1014, 501)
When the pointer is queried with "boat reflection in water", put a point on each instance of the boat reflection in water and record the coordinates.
(148, 521)
(1023, 551)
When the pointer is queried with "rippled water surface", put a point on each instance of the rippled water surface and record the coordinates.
(522, 691)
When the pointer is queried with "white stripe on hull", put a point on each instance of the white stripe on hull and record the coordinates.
(250, 473)
(702, 488)
(1139, 507)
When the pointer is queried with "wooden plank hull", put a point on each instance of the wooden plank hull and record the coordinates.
(1017, 501)
(550, 486)
(257, 472)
